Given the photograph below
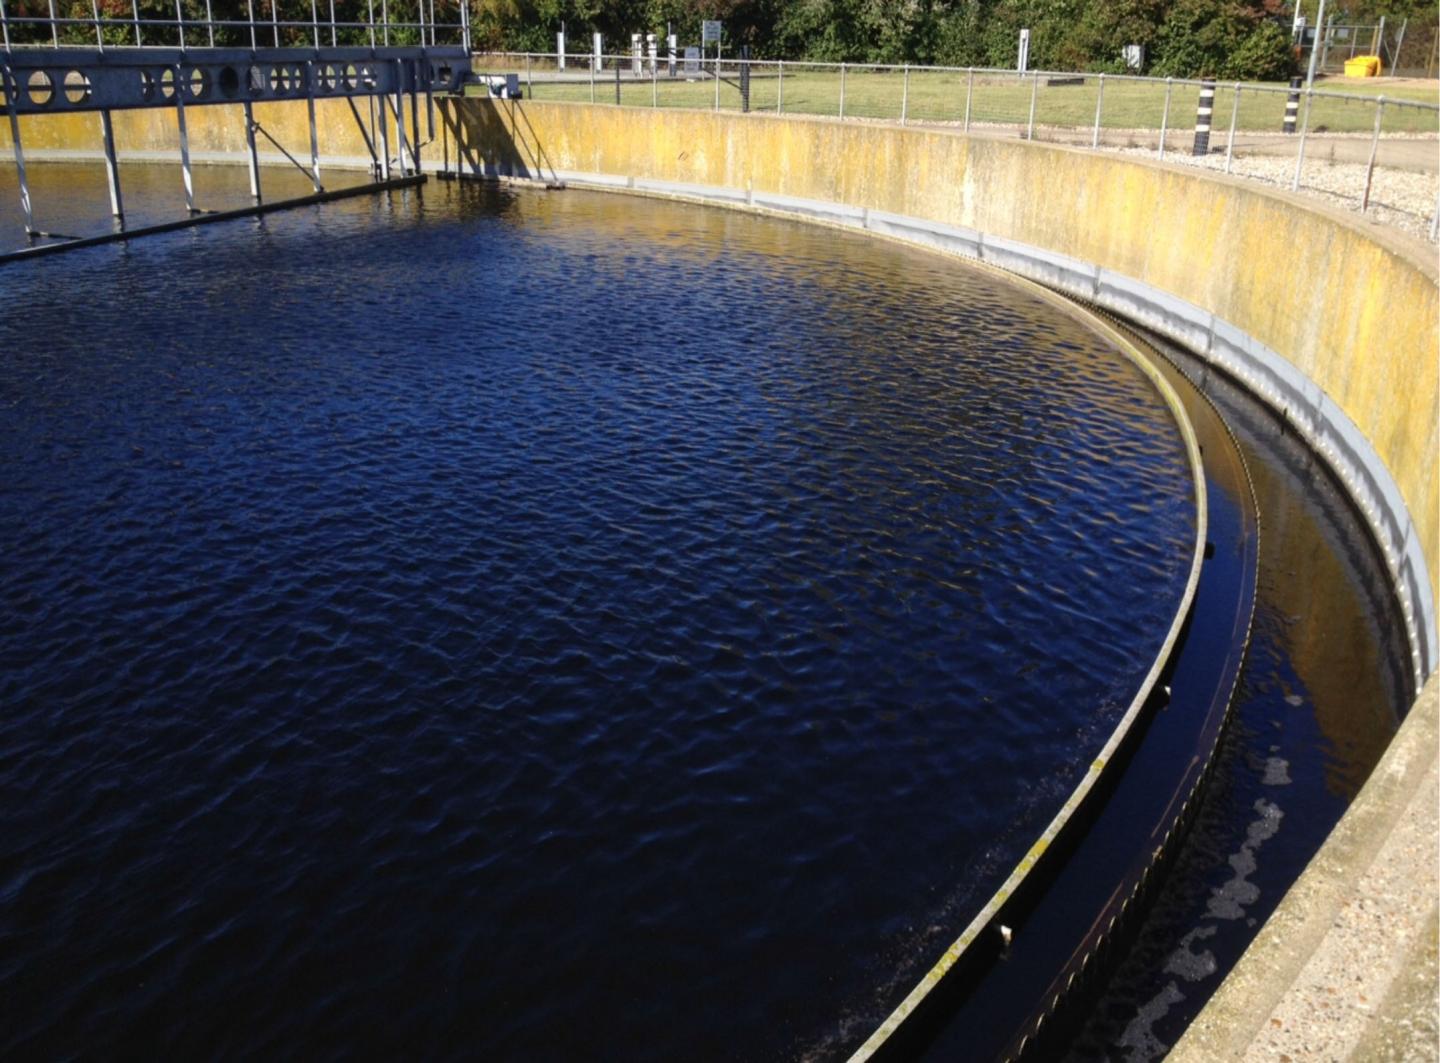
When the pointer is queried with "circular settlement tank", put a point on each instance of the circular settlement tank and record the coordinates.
(542, 625)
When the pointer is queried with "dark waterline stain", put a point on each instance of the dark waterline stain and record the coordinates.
(536, 626)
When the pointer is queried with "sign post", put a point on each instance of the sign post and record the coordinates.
(710, 31)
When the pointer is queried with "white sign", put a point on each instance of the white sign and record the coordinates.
(1024, 62)
(709, 32)
(692, 60)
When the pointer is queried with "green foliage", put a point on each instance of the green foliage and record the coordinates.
(1220, 38)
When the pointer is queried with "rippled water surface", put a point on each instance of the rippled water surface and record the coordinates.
(542, 625)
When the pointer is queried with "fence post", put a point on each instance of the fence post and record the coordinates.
(780, 89)
(654, 85)
(1034, 88)
(969, 92)
(842, 90)
(1374, 147)
(592, 81)
(1230, 143)
(1099, 102)
(1203, 112)
(529, 82)
(1304, 128)
(1292, 107)
(1165, 116)
(617, 84)
(717, 77)
(905, 97)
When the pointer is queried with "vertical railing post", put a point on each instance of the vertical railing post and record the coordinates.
(842, 90)
(4, 29)
(384, 130)
(654, 85)
(384, 22)
(402, 146)
(905, 97)
(780, 89)
(95, 13)
(210, 23)
(969, 94)
(54, 27)
(315, 23)
(334, 40)
(185, 175)
(717, 77)
(180, 23)
(112, 165)
(529, 80)
(1165, 115)
(314, 138)
(135, 12)
(369, 21)
(1374, 149)
(1230, 140)
(1304, 128)
(275, 21)
(1034, 90)
(592, 80)
(1099, 103)
(254, 155)
(250, 16)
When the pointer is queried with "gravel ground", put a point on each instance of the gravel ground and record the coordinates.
(1397, 197)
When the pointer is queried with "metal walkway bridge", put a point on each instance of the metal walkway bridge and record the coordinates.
(53, 65)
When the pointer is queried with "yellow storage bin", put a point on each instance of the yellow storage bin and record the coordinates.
(1363, 66)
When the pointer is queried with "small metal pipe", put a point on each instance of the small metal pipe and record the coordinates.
(1034, 89)
(1374, 148)
(592, 82)
(370, 21)
(275, 21)
(842, 90)
(529, 82)
(135, 10)
(254, 155)
(95, 11)
(1230, 141)
(385, 20)
(25, 207)
(54, 26)
(250, 12)
(333, 43)
(780, 90)
(185, 175)
(314, 138)
(717, 79)
(315, 24)
(1099, 103)
(1165, 115)
(180, 23)
(905, 97)
(1304, 128)
(384, 132)
(654, 86)
(401, 146)
(969, 94)
(112, 165)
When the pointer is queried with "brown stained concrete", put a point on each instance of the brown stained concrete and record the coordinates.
(1345, 968)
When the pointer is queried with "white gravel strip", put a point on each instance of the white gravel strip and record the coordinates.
(1400, 198)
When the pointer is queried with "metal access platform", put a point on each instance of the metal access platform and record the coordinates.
(57, 65)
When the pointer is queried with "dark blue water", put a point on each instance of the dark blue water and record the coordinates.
(542, 625)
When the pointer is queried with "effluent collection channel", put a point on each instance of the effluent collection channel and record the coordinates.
(473, 620)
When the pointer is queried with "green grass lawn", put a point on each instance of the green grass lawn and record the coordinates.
(940, 96)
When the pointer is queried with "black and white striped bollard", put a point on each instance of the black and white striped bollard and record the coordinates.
(1292, 107)
(1202, 118)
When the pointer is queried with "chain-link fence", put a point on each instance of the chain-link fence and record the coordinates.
(1374, 153)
